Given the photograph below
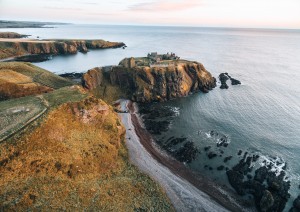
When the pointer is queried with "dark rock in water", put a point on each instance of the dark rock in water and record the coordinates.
(223, 141)
(296, 203)
(211, 155)
(255, 158)
(34, 58)
(171, 143)
(211, 168)
(235, 81)
(207, 148)
(227, 159)
(76, 77)
(236, 181)
(224, 86)
(213, 133)
(240, 152)
(156, 127)
(187, 153)
(270, 191)
(266, 201)
(220, 168)
(223, 78)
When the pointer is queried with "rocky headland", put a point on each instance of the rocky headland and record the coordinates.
(12, 35)
(146, 82)
(21, 47)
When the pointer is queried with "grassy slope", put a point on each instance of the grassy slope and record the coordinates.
(16, 113)
(38, 74)
(75, 162)
(18, 79)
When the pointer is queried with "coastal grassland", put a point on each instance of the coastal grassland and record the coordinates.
(16, 114)
(37, 74)
(66, 94)
(18, 79)
(76, 160)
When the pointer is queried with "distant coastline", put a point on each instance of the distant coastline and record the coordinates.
(27, 24)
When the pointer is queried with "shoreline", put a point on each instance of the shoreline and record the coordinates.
(186, 190)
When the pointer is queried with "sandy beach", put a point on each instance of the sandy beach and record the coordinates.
(186, 190)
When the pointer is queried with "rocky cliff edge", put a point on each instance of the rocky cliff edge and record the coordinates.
(159, 83)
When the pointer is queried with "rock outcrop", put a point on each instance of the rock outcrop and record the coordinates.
(92, 78)
(146, 84)
(224, 77)
(13, 48)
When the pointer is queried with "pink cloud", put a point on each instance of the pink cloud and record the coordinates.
(166, 5)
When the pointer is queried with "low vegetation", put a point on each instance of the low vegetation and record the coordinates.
(19, 79)
(76, 160)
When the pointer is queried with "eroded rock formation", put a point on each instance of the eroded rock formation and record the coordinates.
(146, 84)
(12, 48)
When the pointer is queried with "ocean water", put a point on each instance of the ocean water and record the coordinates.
(261, 116)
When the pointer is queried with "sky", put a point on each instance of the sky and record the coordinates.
(206, 13)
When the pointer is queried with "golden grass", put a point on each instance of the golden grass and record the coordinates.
(14, 77)
(18, 79)
(76, 160)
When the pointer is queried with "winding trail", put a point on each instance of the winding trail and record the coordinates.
(181, 186)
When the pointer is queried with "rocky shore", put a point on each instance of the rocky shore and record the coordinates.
(187, 191)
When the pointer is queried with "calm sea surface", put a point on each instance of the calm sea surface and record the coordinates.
(260, 116)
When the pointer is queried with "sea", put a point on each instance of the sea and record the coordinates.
(260, 116)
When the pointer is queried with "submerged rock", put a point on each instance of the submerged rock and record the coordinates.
(187, 153)
(270, 191)
(266, 201)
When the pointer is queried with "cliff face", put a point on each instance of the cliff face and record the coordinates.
(93, 78)
(12, 48)
(145, 84)
(11, 35)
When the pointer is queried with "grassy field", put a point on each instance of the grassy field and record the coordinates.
(17, 113)
(37, 74)
(18, 79)
(76, 161)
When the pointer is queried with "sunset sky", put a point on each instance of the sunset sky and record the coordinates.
(215, 13)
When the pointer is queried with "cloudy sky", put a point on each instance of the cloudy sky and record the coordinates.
(223, 13)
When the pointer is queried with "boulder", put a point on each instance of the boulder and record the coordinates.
(266, 201)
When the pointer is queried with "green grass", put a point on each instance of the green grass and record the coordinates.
(17, 113)
(63, 95)
(14, 114)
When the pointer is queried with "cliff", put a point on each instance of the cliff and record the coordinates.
(75, 160)
(11, 35)
(145, 83)
(20, 47)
